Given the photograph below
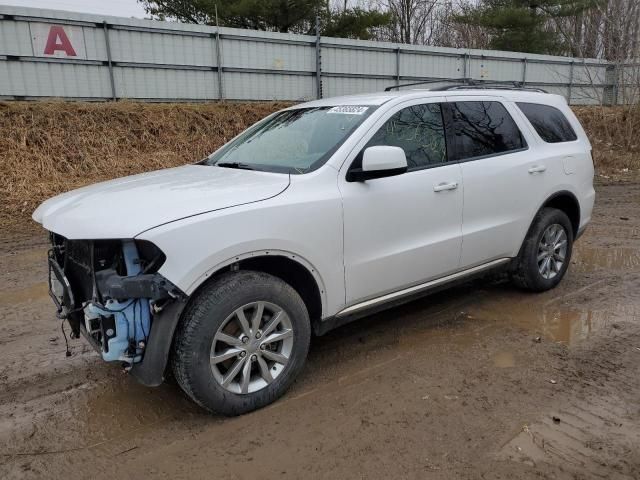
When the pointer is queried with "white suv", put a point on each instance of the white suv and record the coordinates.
(317, 215)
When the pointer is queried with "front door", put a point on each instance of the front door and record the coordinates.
(403, 230)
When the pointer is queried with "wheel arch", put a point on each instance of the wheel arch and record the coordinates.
(563, 200)
(566, 202)
(290, 267)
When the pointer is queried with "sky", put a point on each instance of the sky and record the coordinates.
(118, 8)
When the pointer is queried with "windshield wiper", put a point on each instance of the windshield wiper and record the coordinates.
(242, 166)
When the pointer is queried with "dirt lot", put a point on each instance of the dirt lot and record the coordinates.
(453, 386)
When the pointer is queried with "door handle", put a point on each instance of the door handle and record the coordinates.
(441, 187)
(537, 169)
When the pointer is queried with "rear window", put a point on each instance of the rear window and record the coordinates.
(549, 122)
(483, 128)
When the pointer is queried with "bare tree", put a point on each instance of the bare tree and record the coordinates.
(429, 22)
(460, 35)
(412, 19)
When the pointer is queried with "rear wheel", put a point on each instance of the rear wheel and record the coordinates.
(241, 343)
(546, 252)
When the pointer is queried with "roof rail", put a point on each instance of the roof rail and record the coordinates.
(470, 84)
(425, 82)
(492, 86)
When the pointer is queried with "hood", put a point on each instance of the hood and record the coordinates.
(125, 207)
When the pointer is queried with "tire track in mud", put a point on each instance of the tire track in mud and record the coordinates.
(596, 432)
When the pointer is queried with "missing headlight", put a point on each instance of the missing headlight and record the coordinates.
(151, 257)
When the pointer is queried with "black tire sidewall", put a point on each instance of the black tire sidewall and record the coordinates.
(200, 323)
(529, 263)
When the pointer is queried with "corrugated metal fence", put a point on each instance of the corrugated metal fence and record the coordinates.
(48, 53)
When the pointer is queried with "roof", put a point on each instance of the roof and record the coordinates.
(379, 98)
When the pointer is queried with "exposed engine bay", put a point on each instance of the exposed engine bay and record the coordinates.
(109, 291)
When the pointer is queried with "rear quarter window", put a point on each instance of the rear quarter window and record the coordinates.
(549, 122)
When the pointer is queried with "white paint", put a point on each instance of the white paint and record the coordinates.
(382, 157)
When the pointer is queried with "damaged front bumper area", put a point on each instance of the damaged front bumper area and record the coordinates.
(110, 291)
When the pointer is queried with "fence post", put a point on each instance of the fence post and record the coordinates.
(618, 76)
(219, 64)
(524, 71)
(398, 66)
(109, 61)
(464, 66)
(610, 94)
(570, 86)
(318, 60)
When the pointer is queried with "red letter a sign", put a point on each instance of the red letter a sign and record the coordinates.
(58, 40)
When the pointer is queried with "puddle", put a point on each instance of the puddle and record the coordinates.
(29, 294)
(555, 322)
(588, 259)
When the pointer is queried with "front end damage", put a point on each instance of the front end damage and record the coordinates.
(110, 291)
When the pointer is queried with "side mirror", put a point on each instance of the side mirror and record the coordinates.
(378, 162)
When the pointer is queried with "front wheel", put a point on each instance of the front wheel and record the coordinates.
(546, 252)
(241, 343)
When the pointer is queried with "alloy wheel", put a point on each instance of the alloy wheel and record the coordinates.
(552, 251)
(252, 347)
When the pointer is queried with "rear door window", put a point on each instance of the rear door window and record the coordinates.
(482, 128)
(549, 122)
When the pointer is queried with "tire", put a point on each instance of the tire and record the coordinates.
(211, 329)
(528, 273)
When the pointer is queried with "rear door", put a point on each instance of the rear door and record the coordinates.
(503, 177)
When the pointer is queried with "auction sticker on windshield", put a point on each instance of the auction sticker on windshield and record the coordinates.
(349, 109)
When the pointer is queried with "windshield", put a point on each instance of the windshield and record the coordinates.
(292, 141)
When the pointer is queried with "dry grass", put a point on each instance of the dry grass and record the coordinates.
(49, 148)
(614, 134)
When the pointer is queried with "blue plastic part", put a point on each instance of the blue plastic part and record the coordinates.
(132, 317)
(131, 259)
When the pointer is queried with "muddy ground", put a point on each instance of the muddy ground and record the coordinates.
(456, 385)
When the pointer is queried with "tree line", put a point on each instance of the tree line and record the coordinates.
(607, 29)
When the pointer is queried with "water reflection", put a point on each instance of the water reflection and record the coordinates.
(588, 259)
(555, 322)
